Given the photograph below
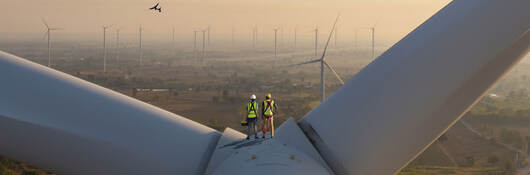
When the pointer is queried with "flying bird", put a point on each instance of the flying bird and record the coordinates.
(156, 8)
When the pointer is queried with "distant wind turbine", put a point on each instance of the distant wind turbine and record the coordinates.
(373, 41)
(117, 44)
(372, 29)
(256, 34)
(48, 33)
(323, 63)
(208, 29)
(173, 40)
(195, 44)
(355, 44)
(233, 31)
(275, 42)
(253, 36)
(105, 47)
(203, 43)
(141, 52)
(194, 40)
(316, 41)
(295, 30)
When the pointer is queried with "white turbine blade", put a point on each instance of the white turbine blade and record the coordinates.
(307, 62)
(403, 101)
(329, 37)
(66, 125)
(45, 34)
(334, 72)
(44, 21)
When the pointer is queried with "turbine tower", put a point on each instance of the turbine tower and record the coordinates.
(195, 44)
(295, 30)
(173, 40)
(47, 35)
(275, 43)
(253, 36)
(316, 41)
(117, 44)
(141, 52)
(323, 63)
(105, 47)
(208, 29)
(372, 29)
(355, 44)
(256, 34)
(204, 43)
(233, 31)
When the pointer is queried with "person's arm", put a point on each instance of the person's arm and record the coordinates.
(275, 108)
(257, 111)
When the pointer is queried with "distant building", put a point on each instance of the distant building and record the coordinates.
(493, 95)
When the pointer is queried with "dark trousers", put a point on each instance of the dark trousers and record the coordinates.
(252, 126)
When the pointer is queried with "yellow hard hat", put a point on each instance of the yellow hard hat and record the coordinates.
(268, 95)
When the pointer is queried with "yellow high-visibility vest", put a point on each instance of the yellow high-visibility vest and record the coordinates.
(252, 109)
(268, 108)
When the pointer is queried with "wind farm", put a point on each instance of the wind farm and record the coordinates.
(167, 89)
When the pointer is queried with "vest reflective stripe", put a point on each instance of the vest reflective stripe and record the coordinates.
(268, 108)
(252, 108)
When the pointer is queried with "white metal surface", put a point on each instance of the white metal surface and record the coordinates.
(290, 134)
(233, 154)
(400, 103)
(63, 124)
(266, 157)
(222, 152)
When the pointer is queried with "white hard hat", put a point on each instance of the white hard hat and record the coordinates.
(253, 97)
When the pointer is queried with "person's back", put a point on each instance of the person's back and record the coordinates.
(268, 110)
(252, 115)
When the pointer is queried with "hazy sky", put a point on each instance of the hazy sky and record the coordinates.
(394, 18)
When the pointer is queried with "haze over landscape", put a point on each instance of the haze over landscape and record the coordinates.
(83, 19)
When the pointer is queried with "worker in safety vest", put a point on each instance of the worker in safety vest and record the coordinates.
(252, 116)
(268, 110)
